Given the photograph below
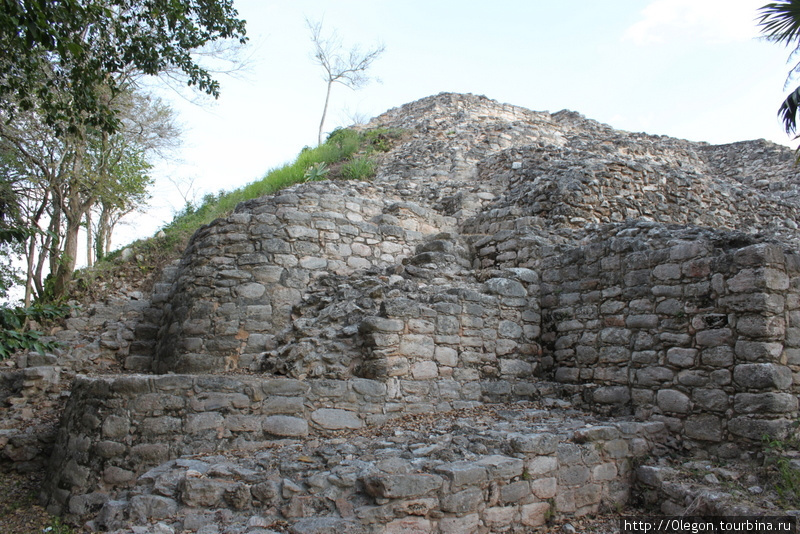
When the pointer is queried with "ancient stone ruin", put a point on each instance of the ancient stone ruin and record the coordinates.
(516, 312)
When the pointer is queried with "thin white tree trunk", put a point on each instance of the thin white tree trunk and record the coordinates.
(324, 112)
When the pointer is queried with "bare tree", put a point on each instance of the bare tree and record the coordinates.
(347, 67)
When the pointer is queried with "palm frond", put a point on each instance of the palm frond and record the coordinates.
(780, 21)
(788, 111)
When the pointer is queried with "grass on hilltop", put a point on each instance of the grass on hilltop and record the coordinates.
(346, 154)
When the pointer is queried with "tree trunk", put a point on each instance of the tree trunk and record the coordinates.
(68, 258)
(45, 251)
(89, 240)
(103, 235)
(324, 112)
(31, 252)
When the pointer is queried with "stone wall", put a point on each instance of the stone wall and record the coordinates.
(693, 331)
(116, 428)
(487, 332)
(130, 438)
(242, 275)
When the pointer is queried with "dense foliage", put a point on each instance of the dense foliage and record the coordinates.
(69, 58)
(16, 334)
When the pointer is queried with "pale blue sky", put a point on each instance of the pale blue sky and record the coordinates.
(686, 68)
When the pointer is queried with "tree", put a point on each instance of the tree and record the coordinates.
(69, 58)
(345, 67)
(780, 23)
(62, 178)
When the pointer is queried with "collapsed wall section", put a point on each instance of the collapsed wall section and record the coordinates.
(242, 275)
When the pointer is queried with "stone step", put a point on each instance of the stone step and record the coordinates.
(461, 473)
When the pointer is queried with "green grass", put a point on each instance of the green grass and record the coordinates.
(346, 154)
(362, 168)
(785, 477)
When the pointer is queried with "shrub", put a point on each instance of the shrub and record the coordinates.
(362, 168)
(14, 332)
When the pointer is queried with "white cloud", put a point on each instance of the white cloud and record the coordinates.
(716, 21)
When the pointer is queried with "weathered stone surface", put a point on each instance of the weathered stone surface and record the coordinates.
(335, 419)
(673, 401)
(762, 376)
(285, 426)
(149, 507)
(401, 486)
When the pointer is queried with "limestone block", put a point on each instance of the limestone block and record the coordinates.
(372, 388)
(284, 386)
(467, 524)
(615, 336)
(673, 401)
(573, 475)
(509, 330)
(567, 374)
(87, 503)
(617, 448)
(420, 326)
(540, 444)
(534, 514)
(417, 346)
(759, 326)
(714, 337)
(252, 290)
(588, 495)
(654, 376)
(747, 403)
(109, 449)
(501, 467)
(401, 486)
(115, 427)
(381, 324)
(715, 400)
(243, 423)
(746, 281)
(336, 419)
(515, 368)
(144, 508)
(762, 376)
(604, 472)
(203, 492)
(595, 433)
(614, 354)
(544, 488)
(667, 271)
(463, 474)
(756, 429)
(704, 427)
(612, 395)
(718, 356)
(498, 517)
(682, 357)
(446, 356)
(200, 422)
(284, 426)
(425, 370)
(505, 287)
(155, 426)
(150, 453)
(283, 405)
